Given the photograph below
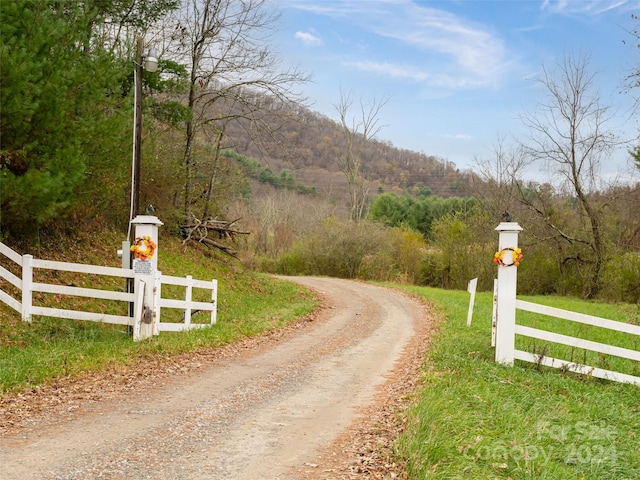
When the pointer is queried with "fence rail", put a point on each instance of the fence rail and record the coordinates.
(576, 368)
(188, 305)
(578, 317)
(83, 268)
(505, 329)
(577, 342)
(7, 252)
(28, 287)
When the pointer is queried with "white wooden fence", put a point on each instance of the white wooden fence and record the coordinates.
(577, 342)
(27, 287)
(505, 327)
(188, 305)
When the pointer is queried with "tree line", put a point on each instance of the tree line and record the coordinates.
(221, 98)
(581, 234)
(67, 86)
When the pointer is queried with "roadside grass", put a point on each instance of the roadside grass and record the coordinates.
(475, 419)
(249, 304)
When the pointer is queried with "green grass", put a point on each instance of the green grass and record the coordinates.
(249, 304)
(473, 420)
(479, 420)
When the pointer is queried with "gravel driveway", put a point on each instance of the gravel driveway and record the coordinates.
(275, 408)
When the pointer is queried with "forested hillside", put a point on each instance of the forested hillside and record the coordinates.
(310, 145)
(67, 113)
(221, 131)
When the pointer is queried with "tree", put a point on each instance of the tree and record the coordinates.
(234, 77)
(496, 179)
(635, 155)
(390, 209)
(569, 134)
(419, 213)
(49, 78)
(632, 81)
(65, 113)
(357, 132)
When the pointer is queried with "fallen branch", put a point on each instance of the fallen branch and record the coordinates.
(199, 231)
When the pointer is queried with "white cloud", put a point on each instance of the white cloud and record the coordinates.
(390, 69)
(459, 136)
(308, 38)
(415, 74)
(467, 54)
(587, 7)
(470, 48)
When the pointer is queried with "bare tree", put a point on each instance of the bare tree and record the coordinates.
(632, 82)
(357, 131)
(234, 76)
(569, 134)
(497, 179)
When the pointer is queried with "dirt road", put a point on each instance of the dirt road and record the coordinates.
(265, 412)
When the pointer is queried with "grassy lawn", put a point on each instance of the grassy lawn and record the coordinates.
(473, 420)
(35, 353)
(479, 420)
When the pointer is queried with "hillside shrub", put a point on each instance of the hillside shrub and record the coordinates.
(292, 262)
(538, 273)
(348, 249)
(339, 247)
(456, 255)
(621, 278)
(398, 259)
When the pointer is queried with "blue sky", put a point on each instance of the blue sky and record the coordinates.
(458, 74)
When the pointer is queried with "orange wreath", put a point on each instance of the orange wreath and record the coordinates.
(143, 248)
(516, 256)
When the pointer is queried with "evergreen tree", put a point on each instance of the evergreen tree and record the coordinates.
(65, 112)
(48, 82)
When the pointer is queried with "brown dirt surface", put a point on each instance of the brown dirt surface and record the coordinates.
(321, 399)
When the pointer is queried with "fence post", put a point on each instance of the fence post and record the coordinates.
(214, 300)
(506, 296)
(145, 265)
(139, 290)
(188, 298)
(27, 287)
(158, 297)
(494, 313)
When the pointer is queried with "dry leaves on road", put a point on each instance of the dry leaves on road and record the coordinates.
(364, 451)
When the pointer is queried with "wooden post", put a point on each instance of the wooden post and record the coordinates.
(506, 297)
(157, 296)
(471, 288)
(144, 269)
(494, 314)
(138, 310)
(137, 131)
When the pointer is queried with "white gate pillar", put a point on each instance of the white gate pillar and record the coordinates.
(506, 297)
(144, 251)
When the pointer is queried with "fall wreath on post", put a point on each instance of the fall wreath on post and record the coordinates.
(516, 256)
(143, 248)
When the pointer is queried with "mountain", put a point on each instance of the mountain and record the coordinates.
(308, 145)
